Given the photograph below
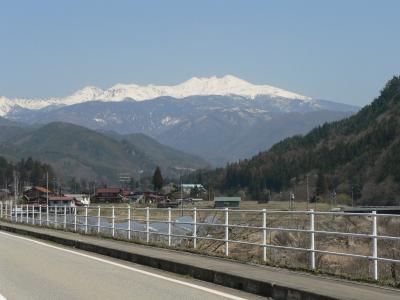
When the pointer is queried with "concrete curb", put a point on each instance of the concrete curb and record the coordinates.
(262, 288)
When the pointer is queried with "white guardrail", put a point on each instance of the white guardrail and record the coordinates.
(64, 217)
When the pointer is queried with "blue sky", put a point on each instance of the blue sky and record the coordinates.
(338, 50)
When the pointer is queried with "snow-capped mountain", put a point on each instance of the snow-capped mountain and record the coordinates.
(223, 86)
(219, 129)
(219, 119)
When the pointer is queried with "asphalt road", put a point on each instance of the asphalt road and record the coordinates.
(31, 269)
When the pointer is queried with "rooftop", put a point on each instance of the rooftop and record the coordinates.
(61, 198)
(41, 189)
(108, 190)
(224, 199)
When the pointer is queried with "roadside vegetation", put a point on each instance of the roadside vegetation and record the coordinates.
(346, 267)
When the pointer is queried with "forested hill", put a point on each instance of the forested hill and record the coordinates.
(361, 153)
(29, 172)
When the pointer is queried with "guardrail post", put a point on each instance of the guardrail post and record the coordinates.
(6, 210)
(47, 215)
(113, 221)
(27, 213)
(33, 215)
(65, 217)
(55, 216)
(75, 219)
(129, 222)
(264, 226)
(1, 210)
(375, 245)
(86, 219)
(40, 215)
(169, 226)
(98, 219)
(15, 213)
(226, 231)
(312, 240)
(147, 225)
(195, 228)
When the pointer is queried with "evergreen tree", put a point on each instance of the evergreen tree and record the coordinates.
(157, 179)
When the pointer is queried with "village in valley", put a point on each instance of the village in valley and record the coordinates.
(161, 196)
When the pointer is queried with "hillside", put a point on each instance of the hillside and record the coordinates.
(75, 151)
(161, 153)
(360, 153)
(219, 129)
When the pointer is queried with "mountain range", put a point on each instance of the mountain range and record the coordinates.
(227, 85)
(219, 119)
(358, 156)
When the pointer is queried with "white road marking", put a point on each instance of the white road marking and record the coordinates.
(2, 297)
(198, 287)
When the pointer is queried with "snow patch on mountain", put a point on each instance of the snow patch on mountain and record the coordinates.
(170, 121)
(205, 86)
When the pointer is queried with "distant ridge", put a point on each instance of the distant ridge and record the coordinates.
(75, 151)
(204, 86)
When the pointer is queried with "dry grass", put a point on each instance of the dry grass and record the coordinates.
(354, 268)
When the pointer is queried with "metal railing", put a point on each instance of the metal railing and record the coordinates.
(91, 220)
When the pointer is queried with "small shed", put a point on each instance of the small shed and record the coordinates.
(222, 202)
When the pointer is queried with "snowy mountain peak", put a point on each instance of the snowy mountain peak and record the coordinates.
(196, 86)
(231, 85)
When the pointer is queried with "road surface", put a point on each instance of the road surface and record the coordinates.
(31, 269)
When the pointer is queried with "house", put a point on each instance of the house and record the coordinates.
(128, 195)
(59, 203)
(231, 202)
(108, 195)
(153, 197)
(80, 199)
(37, 195)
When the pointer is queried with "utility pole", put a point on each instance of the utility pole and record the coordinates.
(47, 189)
(181, 196)
(15, 186)
(54, 185)
(308, 195)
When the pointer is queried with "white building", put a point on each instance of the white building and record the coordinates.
(187, 187)
(81, 199)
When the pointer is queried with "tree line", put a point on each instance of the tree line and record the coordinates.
(28, 172)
